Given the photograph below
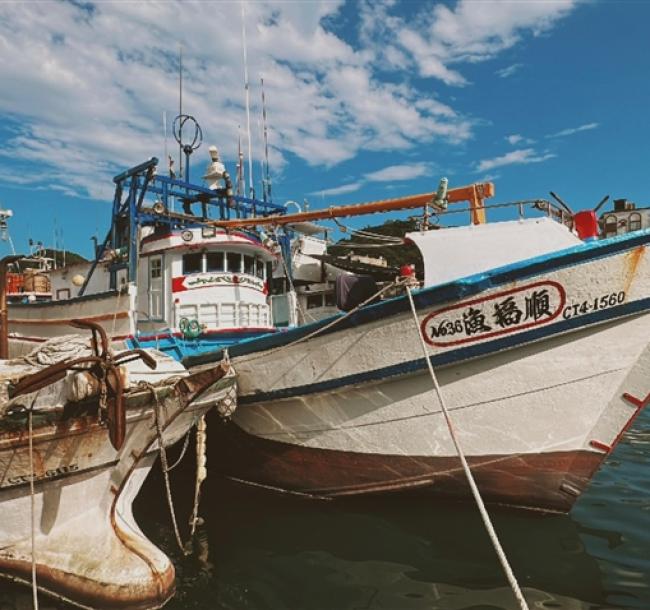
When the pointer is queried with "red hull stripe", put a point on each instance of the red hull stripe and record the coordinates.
(536, 481)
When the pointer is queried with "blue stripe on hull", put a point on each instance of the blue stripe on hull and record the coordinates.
(179, 348)
(457, 355)
(436, 295)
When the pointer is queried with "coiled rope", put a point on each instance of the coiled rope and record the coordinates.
(468, 473)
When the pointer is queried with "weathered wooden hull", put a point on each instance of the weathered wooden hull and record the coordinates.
(88, 548)
(538, 399)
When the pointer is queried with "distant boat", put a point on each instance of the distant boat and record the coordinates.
(89, 461)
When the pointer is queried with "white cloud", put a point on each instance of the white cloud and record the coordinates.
(522, 156)
(571, 130)
(392, 173)
(509, 70)
(517, 138)
(89, 83)
(340, 190)
(396, 173)
(439, 38)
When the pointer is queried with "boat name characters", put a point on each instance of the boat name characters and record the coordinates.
(52, 473)
(180, 284)
(589, 305)
(501, 313)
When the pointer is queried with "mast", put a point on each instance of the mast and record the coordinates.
(251, 188)
(266, 181)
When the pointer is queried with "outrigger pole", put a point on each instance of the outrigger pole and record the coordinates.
(475, 194)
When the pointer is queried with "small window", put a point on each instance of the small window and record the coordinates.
(249, 265)
(155, 268)
(192, 263)
(233, 262)
(63, 293)
(259, 268)
(314, 300)
(634, 222)
(214, 261)
(611, 224)
(330, 299)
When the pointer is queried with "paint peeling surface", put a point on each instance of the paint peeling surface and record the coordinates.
(89, 549)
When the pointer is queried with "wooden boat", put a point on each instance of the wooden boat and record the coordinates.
(66, 485)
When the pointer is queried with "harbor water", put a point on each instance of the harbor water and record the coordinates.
(261, 551)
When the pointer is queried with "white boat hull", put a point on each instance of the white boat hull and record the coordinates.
(537, 402)
(88, 548)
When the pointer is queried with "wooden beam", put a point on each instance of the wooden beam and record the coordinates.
(475, 194)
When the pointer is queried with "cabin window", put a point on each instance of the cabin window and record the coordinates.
(314, 300)
(63, 293)
(634, 222)
(611, 225)
(214, 261)
(155, 268)
(249, 265)
(330, 299)
(192, 263)
(259, 268)
(233, 262)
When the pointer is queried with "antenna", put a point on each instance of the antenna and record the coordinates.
(251, 188)
(266, 181)
(164, 120)
(180, 109)
(240, 165)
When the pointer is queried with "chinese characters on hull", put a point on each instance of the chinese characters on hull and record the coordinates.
(504, 312)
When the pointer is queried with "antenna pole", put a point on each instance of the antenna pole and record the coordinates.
(240, 167)
(267, 176)
(180, 110)
(164, 120)
(251, 188)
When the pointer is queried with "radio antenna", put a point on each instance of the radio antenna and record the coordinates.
(180, 110)
(266, 181)
(251, 188)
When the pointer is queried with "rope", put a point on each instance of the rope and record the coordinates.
(32, 507)
(117, 309)
(201, 470)
(468, 473)
(290, 279)
(163, 462)
(186, 444)
(334, 322)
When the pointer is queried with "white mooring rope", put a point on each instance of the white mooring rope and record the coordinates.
(32, 507)
(468, 473)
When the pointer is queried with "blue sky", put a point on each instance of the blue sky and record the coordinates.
(366, 100)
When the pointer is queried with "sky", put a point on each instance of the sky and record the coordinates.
(365, 100)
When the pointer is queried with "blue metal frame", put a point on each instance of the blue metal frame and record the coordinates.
(129, 215)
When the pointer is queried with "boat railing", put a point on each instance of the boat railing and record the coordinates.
(524, 208)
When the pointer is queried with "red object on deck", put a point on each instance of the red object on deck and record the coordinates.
(586, 224)
(14, 283)
(407, 270)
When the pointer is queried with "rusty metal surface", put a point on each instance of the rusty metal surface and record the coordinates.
(104, 366)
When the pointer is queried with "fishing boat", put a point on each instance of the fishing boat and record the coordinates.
(77, 439)
(537, 329)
